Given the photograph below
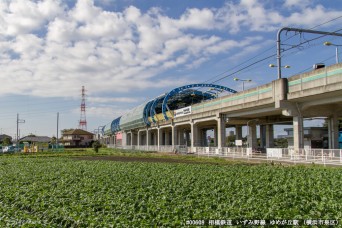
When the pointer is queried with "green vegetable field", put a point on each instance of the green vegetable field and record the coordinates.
(62, 191)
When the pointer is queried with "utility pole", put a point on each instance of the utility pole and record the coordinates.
(57, 130)
(18, 122)
(300, 31)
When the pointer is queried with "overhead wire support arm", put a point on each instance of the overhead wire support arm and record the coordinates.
(296, 30)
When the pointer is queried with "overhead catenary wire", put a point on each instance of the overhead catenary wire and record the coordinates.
(267, 57)
(270, 56)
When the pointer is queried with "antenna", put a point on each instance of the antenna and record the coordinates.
(83, 121)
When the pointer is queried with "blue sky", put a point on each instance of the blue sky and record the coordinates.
(128, 51)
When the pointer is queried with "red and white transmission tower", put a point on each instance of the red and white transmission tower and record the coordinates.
(83, 121)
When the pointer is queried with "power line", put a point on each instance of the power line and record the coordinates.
(246, 67)
(261, 60)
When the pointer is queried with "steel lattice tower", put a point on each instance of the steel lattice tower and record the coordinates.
(83, 121)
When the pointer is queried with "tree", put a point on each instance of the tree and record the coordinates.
(281, 143)
(6, 141)
(53, 140)
(230, 140)
(96, 146)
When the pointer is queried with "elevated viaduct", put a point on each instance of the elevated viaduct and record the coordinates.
(161, 126)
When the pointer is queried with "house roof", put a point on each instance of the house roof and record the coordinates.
(77, 132)
(43, 139)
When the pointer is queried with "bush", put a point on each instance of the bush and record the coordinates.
(96, 146)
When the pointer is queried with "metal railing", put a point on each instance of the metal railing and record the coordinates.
(318, 156)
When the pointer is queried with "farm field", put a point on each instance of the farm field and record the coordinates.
(61, 190)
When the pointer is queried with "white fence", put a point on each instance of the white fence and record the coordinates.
(319, 156)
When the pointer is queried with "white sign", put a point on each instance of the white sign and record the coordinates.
(238, 142)
(182, 112)
(274, 152)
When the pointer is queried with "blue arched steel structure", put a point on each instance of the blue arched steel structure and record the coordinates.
(153, 106)
(182, 88)
(157, 108)
(147, 112)
(115, 126)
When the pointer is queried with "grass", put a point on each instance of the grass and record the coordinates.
(53, 189)
(128, 153)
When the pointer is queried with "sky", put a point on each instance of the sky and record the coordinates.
(126, 52)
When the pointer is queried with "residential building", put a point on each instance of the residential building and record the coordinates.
(314, 137)
(77, 138)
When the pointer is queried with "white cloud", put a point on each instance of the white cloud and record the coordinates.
(21, 16)
(197, 19)
(47, 49)
(297, 3)
(312, 16)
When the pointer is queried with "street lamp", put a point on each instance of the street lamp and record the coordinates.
(98, 131)
(286, 66)
(327, 43)
(243, 82)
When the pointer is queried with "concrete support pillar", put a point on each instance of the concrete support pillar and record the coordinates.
(252, 136)
(135, 138)
(263, 136)
(221, 132)
(193, 135)
(155, 136)
(215, 136)
(148, 138)
(124, 139)
(159, 137)
(187, 138)
(180, 135)
(269, 136)
(167, 137)
(333, 132)
(238, 132)
(174, 133)
(139, 139)
(298, 136)
(204, 140)
(114, 140)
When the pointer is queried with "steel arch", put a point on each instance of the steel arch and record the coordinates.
(115, 126)
(182, 88)
(153, 107)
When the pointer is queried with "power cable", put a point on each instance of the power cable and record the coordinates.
(261, 60)
(267, 56)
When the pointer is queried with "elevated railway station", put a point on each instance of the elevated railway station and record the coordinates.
(181, 118)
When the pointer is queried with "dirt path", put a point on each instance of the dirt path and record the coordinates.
(138, 159)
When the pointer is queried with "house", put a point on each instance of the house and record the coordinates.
(33, 143)
(314, 137)
(77, 138)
